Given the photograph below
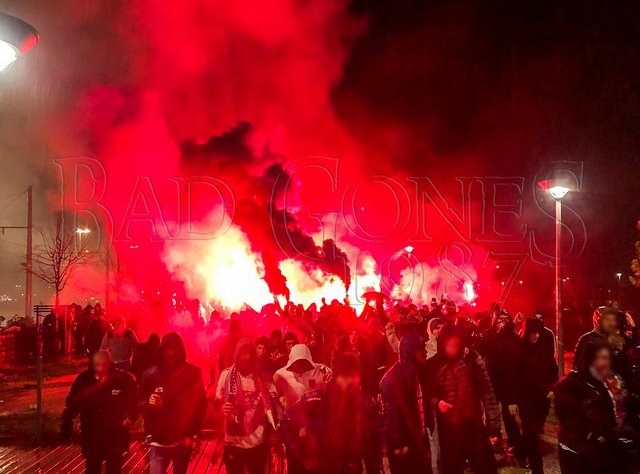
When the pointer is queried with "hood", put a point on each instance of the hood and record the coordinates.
(300, 352)
(174, 341)
(532, 325)
(243, 344)
(447, 332)
(431, 325)
(506, 318)
(409, 344)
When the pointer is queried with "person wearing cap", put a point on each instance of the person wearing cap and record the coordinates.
(338, 425)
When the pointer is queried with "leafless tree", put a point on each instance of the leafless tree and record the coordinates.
(55, 260)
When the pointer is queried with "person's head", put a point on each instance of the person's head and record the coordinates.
(353, 337)
(533, 328)
(450, 342)
(276, 338)
(434, 326)
(503, 322)
(154, 340)
(606, 320)
(288, 341)
(119, 326)
(300, 359)
(539, 315)
(412, 353)
(597, 359)
(346, 372)
(450, 309)
(171, 352)
(245, 356)
(262, 347)
(101, 363)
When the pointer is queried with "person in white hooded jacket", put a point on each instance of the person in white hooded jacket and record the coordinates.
(300, 375)
(433, 328)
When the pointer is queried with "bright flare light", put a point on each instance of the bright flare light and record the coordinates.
(469, 292)
(558, 192)
(8, 54)
(83, 230)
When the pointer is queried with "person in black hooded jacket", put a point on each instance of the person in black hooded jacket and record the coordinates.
(173, 401)
(403, 409)
(502, 349)
(538, 373)
(460, 391)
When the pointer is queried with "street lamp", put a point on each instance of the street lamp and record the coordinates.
(81, 232)
(16, 38)
(557, 190)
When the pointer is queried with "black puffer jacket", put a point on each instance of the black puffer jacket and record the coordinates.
(462, 382)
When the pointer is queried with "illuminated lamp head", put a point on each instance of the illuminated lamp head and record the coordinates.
(16, 38)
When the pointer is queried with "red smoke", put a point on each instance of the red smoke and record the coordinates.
(236, 98)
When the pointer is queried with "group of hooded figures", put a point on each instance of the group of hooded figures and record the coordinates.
(449, 399)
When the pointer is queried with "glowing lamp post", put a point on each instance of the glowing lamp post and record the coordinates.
(16, 38)
(557, 192)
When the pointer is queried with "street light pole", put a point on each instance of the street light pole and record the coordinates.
(558, 290)
(557, 190)
(28, 291)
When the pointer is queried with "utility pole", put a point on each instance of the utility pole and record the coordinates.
(28, 265)
(28, 293)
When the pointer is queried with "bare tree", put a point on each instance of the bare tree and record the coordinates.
(55, 260)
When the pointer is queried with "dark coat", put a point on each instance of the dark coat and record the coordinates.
(184, 397)
(362, 433)
(103, 407)
(538, 371)
(95, 333)
(184, 403)
(502, 352)
(400, 405)
(586, 415)
(464, 383)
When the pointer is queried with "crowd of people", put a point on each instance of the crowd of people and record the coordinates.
(418, 389)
